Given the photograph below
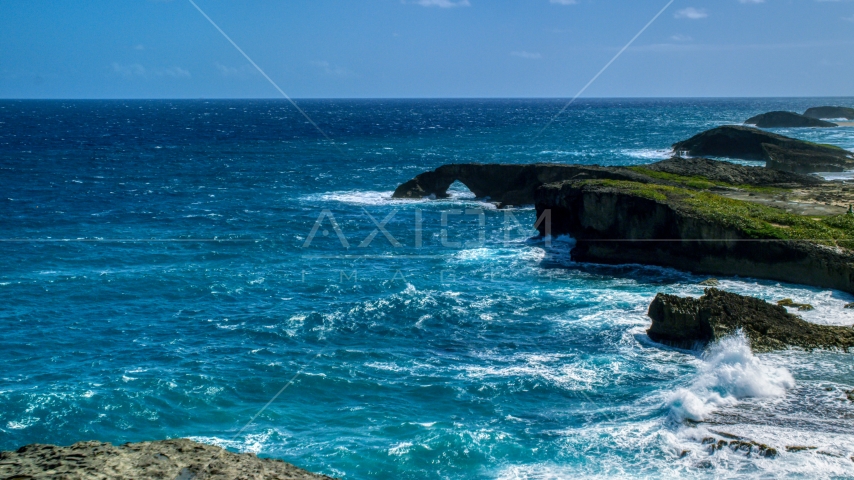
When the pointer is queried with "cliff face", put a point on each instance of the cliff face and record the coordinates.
(507, 184)
(169, 459)
(615, 226)
(685, 322)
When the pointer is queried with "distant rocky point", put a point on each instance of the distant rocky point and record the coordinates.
(704, 216)
(779, 152)
(830, 112)
(170, 459)
(787, 120)
(508, 184)
(686, 322)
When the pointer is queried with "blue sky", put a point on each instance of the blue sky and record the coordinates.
(425, 48)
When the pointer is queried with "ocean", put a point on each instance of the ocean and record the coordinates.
(218, 270)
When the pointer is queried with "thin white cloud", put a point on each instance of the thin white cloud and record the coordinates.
(752, 1)
(681, 38)
(241, 72)
(691, 13)
(442, 3)
(333, 70)
(136, 70)
(849, 19)
(528, 55)
(564, 2)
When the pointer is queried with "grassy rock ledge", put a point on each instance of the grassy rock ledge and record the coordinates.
(618, 222)
(169, 459)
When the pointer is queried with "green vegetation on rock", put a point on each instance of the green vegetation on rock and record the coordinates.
(701, 183)
(752, 220)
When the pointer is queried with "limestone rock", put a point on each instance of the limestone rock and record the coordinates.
(168, 459)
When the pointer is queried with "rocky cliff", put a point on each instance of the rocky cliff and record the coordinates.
(170, 459)
(625, 222)
(686, 322)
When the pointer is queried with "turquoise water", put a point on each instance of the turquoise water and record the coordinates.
(159, 279)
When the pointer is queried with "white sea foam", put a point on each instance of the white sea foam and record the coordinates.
(252, 443)
(562, 153)
(647, 153)
(729, 372)
(374, 198)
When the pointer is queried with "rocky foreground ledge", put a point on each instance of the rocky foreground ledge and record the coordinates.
(169, 459)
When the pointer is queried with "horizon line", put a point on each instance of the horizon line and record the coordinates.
(699, 97)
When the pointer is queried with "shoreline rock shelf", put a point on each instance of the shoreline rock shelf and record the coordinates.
(167, 459)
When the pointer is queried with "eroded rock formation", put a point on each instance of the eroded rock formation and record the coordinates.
(686, 322)
(502, 183)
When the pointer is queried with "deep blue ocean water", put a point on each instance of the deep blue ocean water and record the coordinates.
(159, 278)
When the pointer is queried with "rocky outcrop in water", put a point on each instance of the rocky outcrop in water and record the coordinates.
(781, 153)
(169, 459)
(624, 223)
(787, 120)
(516, 184)
(686, 322)
(502, 183)
(830, 112)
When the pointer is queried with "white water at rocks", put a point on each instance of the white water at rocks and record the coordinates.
(730, 371)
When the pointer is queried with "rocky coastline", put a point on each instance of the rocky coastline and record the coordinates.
(698, 215)
(179, 459)
(696, 231)
(690, 322)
